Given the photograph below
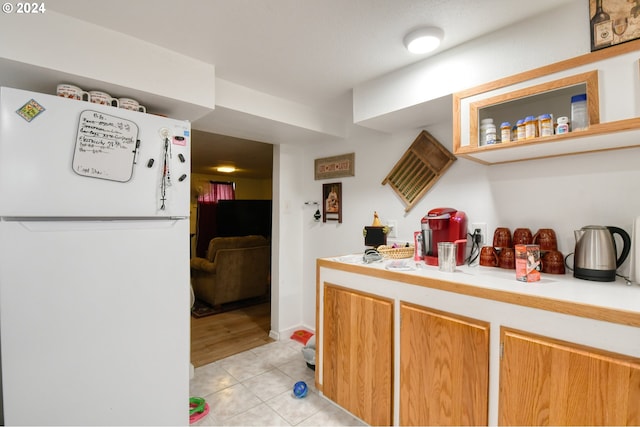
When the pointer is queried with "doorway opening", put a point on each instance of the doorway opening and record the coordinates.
(239, 329)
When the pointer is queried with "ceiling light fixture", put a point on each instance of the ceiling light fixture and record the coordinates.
(226, 169)
(423, 40)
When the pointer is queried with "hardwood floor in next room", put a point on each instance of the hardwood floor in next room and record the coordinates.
(221, 335)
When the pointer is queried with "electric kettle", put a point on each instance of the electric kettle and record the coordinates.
(595, 256)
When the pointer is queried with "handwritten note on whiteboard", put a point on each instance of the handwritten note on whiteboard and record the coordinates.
(105, 146)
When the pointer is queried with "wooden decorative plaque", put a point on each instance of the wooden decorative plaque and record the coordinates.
(419, 169)
(335, 167)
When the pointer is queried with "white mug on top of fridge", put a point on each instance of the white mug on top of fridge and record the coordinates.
(72, 92)
(131, 104)
(102, 98)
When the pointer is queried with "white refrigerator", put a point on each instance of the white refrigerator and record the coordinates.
(94, 263)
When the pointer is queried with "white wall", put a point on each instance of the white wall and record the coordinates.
(287, 242)
(563, 193)
(545, 39)
(88, 51)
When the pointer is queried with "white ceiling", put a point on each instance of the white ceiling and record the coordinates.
(311, 52)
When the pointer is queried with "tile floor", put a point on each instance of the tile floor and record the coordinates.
(255, 388)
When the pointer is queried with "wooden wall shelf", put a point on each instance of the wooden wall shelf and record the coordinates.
(608, 77)
(600, 137)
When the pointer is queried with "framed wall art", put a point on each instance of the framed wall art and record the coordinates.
(332, 202)
(613, 22)
(335, 167)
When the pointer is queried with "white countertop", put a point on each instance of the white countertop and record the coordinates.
(561, 287)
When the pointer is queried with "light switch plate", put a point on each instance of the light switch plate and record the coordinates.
(393, 228)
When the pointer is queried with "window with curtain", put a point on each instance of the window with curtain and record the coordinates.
(218, 191)
(206, 224)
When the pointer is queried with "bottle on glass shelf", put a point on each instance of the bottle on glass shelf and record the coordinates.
(601, 28)
(521, 131)
(531, 127)
(505, 132)
(563, 125)
(484, 124)
(579, 116)
(490, 134)
(546, 125)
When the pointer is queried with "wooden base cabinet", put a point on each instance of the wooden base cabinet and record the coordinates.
(544, 381)
(444, 368)
(357, 348)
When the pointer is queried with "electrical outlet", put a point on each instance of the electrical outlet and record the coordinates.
(393, 228)
(482, 226)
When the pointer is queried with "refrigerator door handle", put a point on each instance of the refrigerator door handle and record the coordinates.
(90, 218)
(37, 225)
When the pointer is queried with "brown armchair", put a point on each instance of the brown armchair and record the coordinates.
(235, 268)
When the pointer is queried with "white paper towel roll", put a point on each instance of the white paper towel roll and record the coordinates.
(634, 255)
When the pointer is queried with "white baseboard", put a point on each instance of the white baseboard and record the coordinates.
(286, 334)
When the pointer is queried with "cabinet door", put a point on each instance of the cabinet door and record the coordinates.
(444, 368)
(358, 353)
(550, 382)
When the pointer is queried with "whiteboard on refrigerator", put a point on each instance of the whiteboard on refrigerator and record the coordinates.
(105, 146)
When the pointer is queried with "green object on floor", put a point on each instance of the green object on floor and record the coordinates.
(198, 409)
(196, 404)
